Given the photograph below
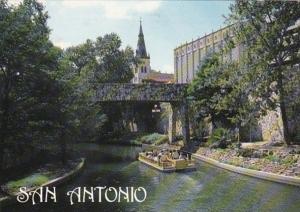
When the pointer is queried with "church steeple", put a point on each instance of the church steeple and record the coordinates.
(142, 68)
(141, 47)
(141, 29)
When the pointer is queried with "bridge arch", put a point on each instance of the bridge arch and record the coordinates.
(175, 94)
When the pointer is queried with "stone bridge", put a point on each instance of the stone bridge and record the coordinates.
(115, 92)
(175, 94)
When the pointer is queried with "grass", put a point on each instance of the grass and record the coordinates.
(30, 181)
(273, 158)
(37, 178)
(154, 138)
(288, 160)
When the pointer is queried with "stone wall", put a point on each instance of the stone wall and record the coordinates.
(271, 126)
(109, 92)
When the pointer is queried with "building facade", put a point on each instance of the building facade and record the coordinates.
(189, 57)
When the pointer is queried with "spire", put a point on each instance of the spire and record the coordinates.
(141, 29)
(141, 47)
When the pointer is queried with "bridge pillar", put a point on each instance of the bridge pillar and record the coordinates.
(172, 122)
(184, 111)
(182, 107)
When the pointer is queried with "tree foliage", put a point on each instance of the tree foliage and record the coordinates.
(244, 89)
(46, 94)
(82, 68)
(269, 34)
(27, 90)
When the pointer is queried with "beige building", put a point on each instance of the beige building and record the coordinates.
(189, 57)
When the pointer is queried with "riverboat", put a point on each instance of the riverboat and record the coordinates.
(167, 165)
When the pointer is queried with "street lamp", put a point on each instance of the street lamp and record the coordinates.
(156, 108)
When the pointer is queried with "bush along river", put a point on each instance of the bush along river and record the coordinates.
(206, 189)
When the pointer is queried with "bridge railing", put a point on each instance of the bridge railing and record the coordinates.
(107, 92)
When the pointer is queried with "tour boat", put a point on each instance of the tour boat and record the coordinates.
(170, 165)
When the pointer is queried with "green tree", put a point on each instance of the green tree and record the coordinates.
(208, 88)
(27, 90)
(82, 68)
(103, 59)
(267, 32)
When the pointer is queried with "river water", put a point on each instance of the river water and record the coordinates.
(206, 189)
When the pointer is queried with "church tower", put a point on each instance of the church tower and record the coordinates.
(142, 68)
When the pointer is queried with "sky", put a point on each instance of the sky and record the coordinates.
(166, 24)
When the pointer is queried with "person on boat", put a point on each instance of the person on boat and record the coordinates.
(164, 158)
(159, 158)
(149, 155)
(175, 155)
(181, 156)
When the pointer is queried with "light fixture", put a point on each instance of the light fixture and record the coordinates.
(156, 108)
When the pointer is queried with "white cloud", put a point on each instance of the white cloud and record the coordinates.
(17, 2)
(168, 68)
(62, 44)
(117, 9)
(80, 3)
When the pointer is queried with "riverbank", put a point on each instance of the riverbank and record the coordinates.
(48, 175)
(137, 139)
(282, 161)
(278, 164)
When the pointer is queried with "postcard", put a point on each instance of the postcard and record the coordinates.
(149, 105)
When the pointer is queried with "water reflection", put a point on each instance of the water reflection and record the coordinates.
(206, 189)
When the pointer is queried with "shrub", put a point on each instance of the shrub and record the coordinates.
(163, 139)
(154, 138)
(289, 160)
(273, 158)
(220, 138)
(245, 152)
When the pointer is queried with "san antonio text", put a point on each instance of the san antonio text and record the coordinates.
(84, 194)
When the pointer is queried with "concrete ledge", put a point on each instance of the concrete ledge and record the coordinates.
(57, 181)
(250, 172)
(66, 176)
